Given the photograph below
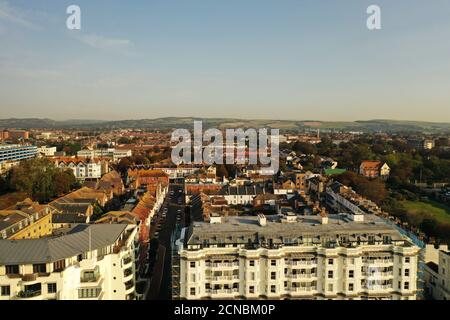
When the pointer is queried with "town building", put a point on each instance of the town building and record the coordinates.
(84, 168)
(26, 220)
(241, 195)
(374, 169)
(11, 155)
(15, 134)
(89, 262)
(115, 154)
(295, 257)
(47, 151)
(437, 276)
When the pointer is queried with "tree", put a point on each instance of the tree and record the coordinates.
(221, 171)
(40, 179)
(374, 190)
(305, 148)
(64, 181)
(123, 165)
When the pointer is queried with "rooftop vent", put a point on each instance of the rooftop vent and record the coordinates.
(215, 219)
(262, 220)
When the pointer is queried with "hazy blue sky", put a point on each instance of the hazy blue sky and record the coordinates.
(283, 59)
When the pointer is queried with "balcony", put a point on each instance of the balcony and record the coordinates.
(222, 265)
(129, 286)
(128, 274)
(126, 261)
(302, 276)
(222, 291)
(302, 289)
(377, 261)
(301, 263)
(222, 278)
(90, 277)
(29, 295)
(378, 274)
(29, 277)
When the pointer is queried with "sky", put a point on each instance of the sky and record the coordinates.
(255, 59)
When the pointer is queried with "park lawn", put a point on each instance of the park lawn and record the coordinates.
(440, 211)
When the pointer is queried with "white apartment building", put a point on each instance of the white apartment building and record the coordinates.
(90, 262)
(91, 169)
(47, 151)
(115, 154)
(305, 257)
(437, 277)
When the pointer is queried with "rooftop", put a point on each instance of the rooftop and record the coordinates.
(46, 250)
(244, 228)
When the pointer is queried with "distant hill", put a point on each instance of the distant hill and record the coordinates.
(221, 123)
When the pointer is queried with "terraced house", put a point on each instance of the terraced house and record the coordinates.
(26, 220)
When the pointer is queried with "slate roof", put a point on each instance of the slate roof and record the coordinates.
(45, 250)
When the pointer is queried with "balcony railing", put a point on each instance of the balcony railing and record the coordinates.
(222, 278)
(378, 274)
(303, 289)
(29, 277)
(90, 277)
(222, 264)
(378, 261)
(128, 272)
(29, 293)
(222, 291)
(129, 285)
(301, 263)
(302, 275)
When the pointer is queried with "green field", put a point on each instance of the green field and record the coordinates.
(439, 211)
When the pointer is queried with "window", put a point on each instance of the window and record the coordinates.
(51, 287)
(273, 275)
(192, 264)
(192, 291)
(406, 285)
(59, 265)
(251, 263)
(251, 289)
(89, 293)
(12, 269)
(407, 259)
(5, 290)
(351, 274)
(350, 287)
(273, 262)
(39, 268)
(330, 261)
(330, 274)
(406, 272)
(273, 289)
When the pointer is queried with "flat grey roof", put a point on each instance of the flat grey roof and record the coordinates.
(247, 227)
(44, 250)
